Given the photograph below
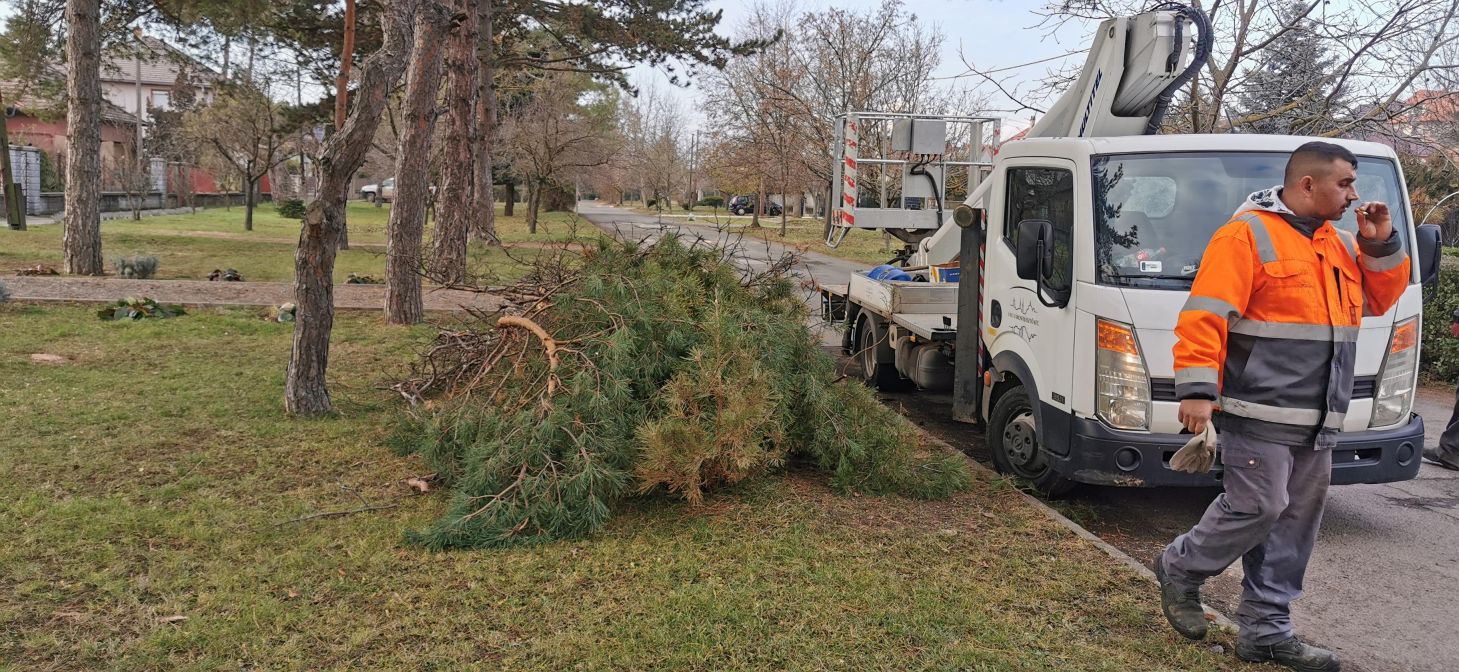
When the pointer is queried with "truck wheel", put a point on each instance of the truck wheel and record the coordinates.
(1013, 438)
(874, 355)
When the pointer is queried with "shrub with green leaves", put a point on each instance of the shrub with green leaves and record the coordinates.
(1440, 355)
(292, 208)
(136, 267)
(712, 201)
(133, 308)
(663, 370)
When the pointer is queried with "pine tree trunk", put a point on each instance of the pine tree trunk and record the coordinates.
(403, 265)
(484, 223)
(81, 240)
(305, 392)
(511, 199)
(457, 208)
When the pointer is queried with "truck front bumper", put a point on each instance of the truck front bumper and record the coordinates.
(1102, 456)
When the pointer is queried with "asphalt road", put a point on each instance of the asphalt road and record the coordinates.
(1383, 585)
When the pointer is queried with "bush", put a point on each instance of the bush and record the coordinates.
(291, 208)
(1440, 356)
(674, 376)
(138, 267)
(355, 279)
(4, 293)
(712, 202)
(138, 308)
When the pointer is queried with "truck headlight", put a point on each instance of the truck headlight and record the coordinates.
(1122, 385)
(1394, 396)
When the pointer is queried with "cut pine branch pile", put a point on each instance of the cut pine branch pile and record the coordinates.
(635, 370)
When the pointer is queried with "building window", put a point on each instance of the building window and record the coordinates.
(161, 99)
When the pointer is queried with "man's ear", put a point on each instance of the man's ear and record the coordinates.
(1306, 184)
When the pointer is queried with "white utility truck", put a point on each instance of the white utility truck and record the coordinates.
(1075, 247)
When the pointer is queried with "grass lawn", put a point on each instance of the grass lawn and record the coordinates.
(148, 477)
(191, 246)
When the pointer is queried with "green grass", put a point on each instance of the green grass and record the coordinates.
(191, 246)
(148, 478)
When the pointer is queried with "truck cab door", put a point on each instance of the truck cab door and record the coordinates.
(1030, 322)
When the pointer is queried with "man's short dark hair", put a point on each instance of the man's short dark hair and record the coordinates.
(1314, 156)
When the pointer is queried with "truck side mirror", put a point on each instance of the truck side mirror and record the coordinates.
(1035, 241)
(1430, 252)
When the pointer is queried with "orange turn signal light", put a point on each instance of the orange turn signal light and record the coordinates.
(1116, 337)
(1405, 336)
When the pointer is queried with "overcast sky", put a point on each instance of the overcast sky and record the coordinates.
(990, 33)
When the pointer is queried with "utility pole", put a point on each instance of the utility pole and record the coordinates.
(138, 179)
(693, 163)
(14, 208)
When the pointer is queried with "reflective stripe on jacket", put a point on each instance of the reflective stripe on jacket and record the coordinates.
(1271, 326)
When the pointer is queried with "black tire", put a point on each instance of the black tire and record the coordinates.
(372, 197)
(874, 355)
(1013, 440)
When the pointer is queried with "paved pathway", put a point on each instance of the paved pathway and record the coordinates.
(202, 292)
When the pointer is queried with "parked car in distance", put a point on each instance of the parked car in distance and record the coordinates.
(743, 205)
(383, 192)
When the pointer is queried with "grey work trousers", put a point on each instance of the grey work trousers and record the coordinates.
(1268, 516)
(1449, 440)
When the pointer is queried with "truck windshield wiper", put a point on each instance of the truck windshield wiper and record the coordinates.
(1149, 276)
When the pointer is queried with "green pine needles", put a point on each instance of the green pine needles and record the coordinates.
(640, 370)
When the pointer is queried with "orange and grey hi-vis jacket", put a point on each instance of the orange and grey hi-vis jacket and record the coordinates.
(1271, 327)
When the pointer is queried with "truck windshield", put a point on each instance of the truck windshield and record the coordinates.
(1154, 213)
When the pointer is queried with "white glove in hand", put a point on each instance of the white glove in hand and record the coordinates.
(1198, 454)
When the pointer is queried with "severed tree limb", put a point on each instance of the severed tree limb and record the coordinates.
(548, 343)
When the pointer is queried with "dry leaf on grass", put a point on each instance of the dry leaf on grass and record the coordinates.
(171, 619)
(421, 484)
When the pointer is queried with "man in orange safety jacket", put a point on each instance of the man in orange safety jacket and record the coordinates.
(1269, 337)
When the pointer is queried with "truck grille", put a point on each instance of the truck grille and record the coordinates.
(1163, 389)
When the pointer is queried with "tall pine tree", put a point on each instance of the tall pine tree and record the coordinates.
(1289, 90)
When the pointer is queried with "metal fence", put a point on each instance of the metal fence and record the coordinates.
(25, 167)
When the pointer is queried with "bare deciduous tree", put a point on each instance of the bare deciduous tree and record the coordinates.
(244, 129)
(1380, 50)
(563, 127)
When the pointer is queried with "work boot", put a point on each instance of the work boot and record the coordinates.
(1182, 607)
(1440, 458)
(1290, 653)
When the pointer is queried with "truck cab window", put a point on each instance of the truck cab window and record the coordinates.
(1154, 213)
(1048, 194)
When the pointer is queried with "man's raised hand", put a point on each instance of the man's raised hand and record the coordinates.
(1374, 222)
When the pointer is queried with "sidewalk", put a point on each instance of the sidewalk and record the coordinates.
(205, 293)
